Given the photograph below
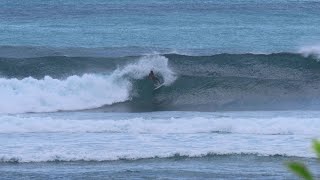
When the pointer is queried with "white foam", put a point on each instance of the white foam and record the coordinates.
(310, 50)
(48, 94)
(77, 92)
(179, 125)
(84, 136)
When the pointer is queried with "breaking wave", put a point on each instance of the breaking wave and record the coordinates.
(281, 81)
(78, 91)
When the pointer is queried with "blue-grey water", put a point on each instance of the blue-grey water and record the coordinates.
(240, 96)
(217, 26)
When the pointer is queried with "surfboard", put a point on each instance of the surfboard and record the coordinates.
(159, 86)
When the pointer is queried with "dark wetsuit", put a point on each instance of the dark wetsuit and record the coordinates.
(153, 77)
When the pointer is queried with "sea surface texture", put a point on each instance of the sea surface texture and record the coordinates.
(241, 93)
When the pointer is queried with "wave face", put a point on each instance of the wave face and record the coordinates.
(202, 83)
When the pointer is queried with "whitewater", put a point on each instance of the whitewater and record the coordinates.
(81, 136)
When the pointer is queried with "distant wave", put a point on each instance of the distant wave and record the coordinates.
(41, 51)
(7, 51)
(91, 157)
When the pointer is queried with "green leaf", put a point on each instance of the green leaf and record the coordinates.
(300, 169)
(316, 147)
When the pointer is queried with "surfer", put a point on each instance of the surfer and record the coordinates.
(153, 77)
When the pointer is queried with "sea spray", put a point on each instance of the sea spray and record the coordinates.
(313, 50)
(139, 70)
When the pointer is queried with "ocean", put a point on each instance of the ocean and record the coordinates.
(240, 97)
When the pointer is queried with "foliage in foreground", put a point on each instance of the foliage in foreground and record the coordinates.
(300, 169)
